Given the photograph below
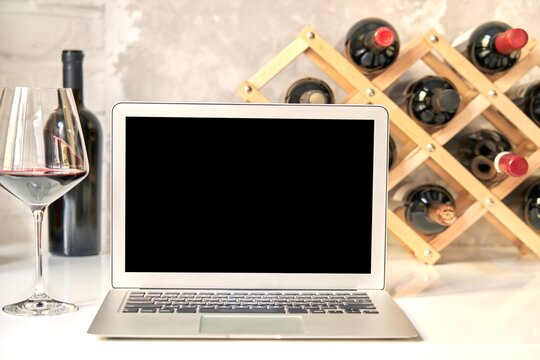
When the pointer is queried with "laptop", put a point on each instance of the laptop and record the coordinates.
(249, 221)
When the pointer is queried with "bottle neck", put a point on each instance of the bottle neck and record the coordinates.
(511, 40)
(73, 78)
(442, 214)
(379, 39)
(445, 100)
(511, 164)
(313, 97)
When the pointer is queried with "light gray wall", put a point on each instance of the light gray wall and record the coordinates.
(179, 50)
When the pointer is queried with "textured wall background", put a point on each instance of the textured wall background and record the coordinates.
(180, 50)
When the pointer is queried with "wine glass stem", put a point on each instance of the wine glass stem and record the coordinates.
(39, 291)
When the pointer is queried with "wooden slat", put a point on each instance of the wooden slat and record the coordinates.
(253, 96)
(467, 218)
(500, 123)
(409, 55)
(444, 70)
(443, 174)
(404, 151)
(529, 58)
(523, 250)
(278, 63)
(323, 65)
(400, 171)
(398, 134)
(461, 120)
(422, 250)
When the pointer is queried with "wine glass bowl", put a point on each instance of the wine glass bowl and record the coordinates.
(42, 156)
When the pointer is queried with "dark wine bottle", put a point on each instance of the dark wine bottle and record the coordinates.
(310, 91)
(487, 154)
(74, 219)
(432, 100)
(531, 204)
(494, 47)
(392, 154)
(527, 98)
(429, 208)
(372, 44)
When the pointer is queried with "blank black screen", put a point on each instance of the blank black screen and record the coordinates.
(248, 195)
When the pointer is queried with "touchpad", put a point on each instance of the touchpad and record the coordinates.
(258, 325)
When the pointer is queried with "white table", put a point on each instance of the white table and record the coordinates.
(472, 306)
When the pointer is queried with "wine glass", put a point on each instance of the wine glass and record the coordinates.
(42, 156)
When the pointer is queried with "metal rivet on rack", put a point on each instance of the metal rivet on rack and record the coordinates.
(492, 93)
(430, 147)
(310, 35)
(489, 202)
(370, 92)
(247, 89)
(434, 39)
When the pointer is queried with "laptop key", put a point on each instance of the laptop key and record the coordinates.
(371, 312)
(334, 311)
(353, 311)
(245, 311)
(317, 312)
(143, 306)
(297, 310)
(187, 310)
(166, 310)
(130, 310)
(148, 310)
(357, 306)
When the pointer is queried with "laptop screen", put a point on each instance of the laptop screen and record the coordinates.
(248, 195)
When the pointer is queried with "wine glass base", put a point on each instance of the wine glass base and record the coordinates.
(40, 306)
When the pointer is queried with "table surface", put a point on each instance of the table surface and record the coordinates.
(478, 302)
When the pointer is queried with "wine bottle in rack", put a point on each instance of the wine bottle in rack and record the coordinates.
(493, 47)
(525, 202)
(372, 44)
(74, 219)
(527, 98)
(488, 155)
(531, 204)
(310, 91)
(429, 208)
(432, 100)
(392, 153)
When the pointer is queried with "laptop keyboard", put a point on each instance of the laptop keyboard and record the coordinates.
(259, 302)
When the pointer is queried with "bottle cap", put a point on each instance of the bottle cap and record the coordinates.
(511, 164)
(442, 214)
(511, 40)
(446, 100)
(313, 97)
(384, 36)
(72, 55)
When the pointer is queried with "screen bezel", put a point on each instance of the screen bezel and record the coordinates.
(374, 280)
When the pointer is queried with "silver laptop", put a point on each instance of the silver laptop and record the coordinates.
(249, 221)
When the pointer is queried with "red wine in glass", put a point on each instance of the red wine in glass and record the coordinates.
(39, 186)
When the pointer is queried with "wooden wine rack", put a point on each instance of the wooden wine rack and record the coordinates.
(480, 96)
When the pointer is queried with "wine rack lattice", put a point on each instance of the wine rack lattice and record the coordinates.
(480, 96)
